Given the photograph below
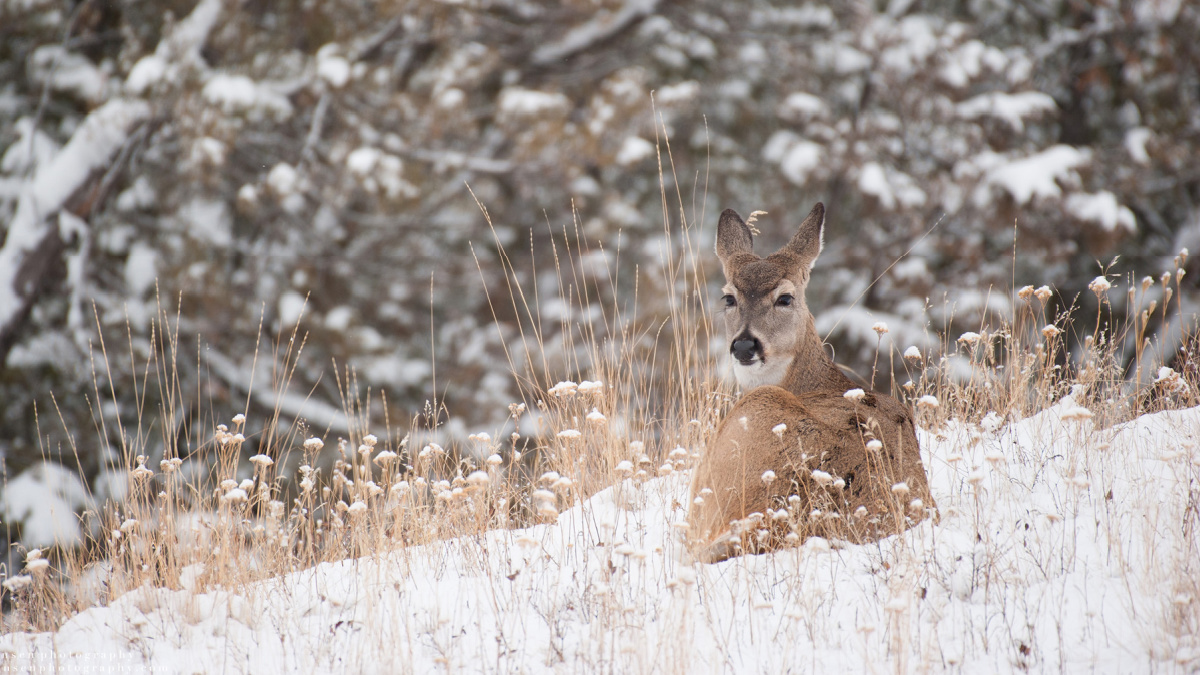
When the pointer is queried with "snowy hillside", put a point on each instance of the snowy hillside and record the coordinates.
(1062, 547)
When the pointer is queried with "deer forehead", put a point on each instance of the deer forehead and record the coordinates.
(761, 278)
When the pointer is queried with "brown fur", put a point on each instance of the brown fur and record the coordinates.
(824, 430)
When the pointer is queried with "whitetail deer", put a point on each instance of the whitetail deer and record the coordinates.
(796, 456)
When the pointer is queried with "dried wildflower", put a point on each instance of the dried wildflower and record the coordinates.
(975, 477)
(916, 505)
(357, 507)
(592, 388)
(666, 469)
(637, 447)
(169, 465)
(1043, 293)
(364, 450)
(994, 457)
(37, 566)
(494, 460)
(768, 477)
(129, 525)
(1170, 380)
(874, 445)
(483, 437)
(569, 434)
(839, 484)
(228, 484)
(262, 461)
(792, 539)
(969, 338)
(234, 496)
(564, 389)
(314, 444)
(239, 419)
(1077, 413)
(855, 395)
(596, 417)
(860, 512)
(477, 479)
(822, 478)
(912, 353)
(549, 477)
(1025, 292)
(1050, 331)
(17, 583)
(141, 472)
(928, 401)
(900, 489)
(778, 430)
(247, 484)
(1100, 286)
(880, 328)
(385, 456)
(678, 453)
(624, 467)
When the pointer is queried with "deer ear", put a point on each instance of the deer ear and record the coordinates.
(733, 235)
(808, 241)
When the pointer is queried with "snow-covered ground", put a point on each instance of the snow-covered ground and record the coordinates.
(1062, 547)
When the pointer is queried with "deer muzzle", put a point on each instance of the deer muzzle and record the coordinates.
(746, 348)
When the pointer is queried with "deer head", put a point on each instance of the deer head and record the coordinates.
(767, 321)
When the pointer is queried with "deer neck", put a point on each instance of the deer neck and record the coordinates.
(811, 368)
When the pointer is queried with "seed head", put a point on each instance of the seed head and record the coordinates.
(880, 328)
(569, 434)
(822, 478)
(314, 444)
(912, 353)
(874, 445)
(768, 477)
(596, 417)
(1025, 292)
(928, 401)
(855, 395)
(969, 338)
(1043, 293)
(1100, 286)
(262, 461)
(778, 430)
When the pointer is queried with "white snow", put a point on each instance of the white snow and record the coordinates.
(29, 150)
(1036, 175)
(141, 269)
(1101, 208)
(240, 94)
(800, 105)
(890, 187)
(332, 66)
(800, 161)
(1012, 108)
(634, 150)
(66, 71)
(1135, 144)
(91, 147)
(519, 102)
(207, 220)
(283, 179)
(1059, 549)
(44, 499)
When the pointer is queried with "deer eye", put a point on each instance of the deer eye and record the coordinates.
(784, 301)
(730, 301)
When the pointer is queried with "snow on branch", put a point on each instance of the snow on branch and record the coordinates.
(90, 150)
(600, 28)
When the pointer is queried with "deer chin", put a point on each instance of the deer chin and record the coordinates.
(759, 373)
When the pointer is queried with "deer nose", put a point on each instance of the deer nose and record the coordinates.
(745, 348)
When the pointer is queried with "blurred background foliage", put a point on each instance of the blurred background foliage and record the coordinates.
(307, 164)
